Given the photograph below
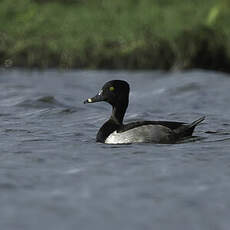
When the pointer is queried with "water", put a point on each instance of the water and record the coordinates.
(53, 175)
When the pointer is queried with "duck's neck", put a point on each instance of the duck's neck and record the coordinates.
(114, 123)
(118, 113)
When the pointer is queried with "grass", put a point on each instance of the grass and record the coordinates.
(131, 34)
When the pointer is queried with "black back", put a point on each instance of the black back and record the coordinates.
(169, 124)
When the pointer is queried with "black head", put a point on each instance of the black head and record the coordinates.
(115, 92)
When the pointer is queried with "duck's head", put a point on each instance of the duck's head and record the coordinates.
(115, 92)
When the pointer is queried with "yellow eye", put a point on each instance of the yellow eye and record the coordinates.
(111, 88)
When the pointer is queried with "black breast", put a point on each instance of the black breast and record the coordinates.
(109, 127)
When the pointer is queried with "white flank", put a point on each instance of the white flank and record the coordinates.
(145, 133)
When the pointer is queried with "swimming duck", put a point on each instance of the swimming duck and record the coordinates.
(113, 131)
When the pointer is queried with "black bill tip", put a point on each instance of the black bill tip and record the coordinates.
(89, 100)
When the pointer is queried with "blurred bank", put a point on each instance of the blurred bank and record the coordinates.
(108, 34)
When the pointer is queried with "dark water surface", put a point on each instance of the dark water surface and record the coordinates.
(53, 175)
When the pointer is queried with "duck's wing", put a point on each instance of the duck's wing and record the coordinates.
(169, 124)
(181, 129)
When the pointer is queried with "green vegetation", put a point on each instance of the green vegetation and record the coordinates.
(130, 34)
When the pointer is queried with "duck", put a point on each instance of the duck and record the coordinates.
(114, 131)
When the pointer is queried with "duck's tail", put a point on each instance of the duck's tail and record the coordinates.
(187, 129)
(196, 122)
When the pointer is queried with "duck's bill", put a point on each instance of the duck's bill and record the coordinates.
(94, 99)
